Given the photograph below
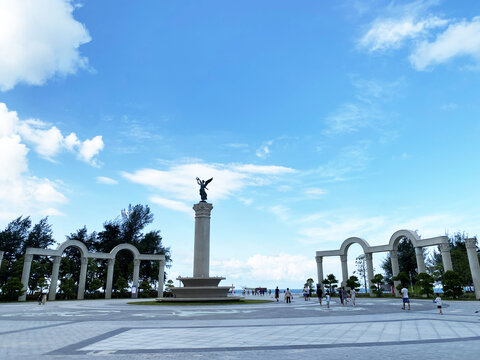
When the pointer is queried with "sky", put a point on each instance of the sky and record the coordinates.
(317, 121)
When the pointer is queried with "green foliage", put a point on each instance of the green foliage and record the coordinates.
(68, 288)
(309, 284)
(94, 285)
(12, 289)
(331, 282)
(425, 282)
(403, 278)
(352, 282)
(377, 282)
(144, 288)
(407, 262)
(361, 264)
(169, 284)
(452, 284)
(121, 285)
(41, 284)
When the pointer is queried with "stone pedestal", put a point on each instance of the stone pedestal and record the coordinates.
(201, 287)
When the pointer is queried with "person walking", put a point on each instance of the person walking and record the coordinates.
(40, 299)
(277, 293)
(438, 301)
(405, 298)
(353, 295)
(327, 299)
(344, 295)
(288, 296)
(305, 293)
(319, 293)
(340, 294)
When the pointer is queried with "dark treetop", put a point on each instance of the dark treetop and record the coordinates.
(203, 186)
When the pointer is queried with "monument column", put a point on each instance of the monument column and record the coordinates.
(343, 258)
(369, 259)
(27, 264)
(201, 256)
(52, 293)
(161, 272)
(319, 260)
(395, 270)
(471, 245)
(420, 260)
(1, 258)
(108, 287)
(83, 278)
(136, 272)
(446, 256)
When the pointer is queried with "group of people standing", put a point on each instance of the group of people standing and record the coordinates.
(342, 293)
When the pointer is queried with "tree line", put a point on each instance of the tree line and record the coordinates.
(128, 227)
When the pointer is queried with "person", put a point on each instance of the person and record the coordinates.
(344, 295)
(405, 298)
(340, 294)
(44, 299)
(319, 293)
(438, 301)
(305, 293)
(288, 296)
(327, 299)
(277, 293)
(40, 299)
(353, 295)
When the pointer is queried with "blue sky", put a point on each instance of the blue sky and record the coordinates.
(317, 122)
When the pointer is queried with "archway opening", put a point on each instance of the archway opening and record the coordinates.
(69, 273)
(357, 268)
(123, 274)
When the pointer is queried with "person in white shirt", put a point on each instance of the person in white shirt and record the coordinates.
(353, 295)
(438, 301)
(405, 298)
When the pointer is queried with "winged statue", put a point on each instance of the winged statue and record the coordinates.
(203, 186)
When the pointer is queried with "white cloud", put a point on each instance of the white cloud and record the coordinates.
(281, 211)
(20, 192)
(89, 149)
(459, 39)
(264, 150)
(106, 180)
(315, 192)
(38, 40)
(178, 182)
(258, 268)
(172, 204)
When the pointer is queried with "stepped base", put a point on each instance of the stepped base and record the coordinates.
(180, 300)
(200, 289)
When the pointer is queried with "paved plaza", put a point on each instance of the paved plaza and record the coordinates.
(112, 329)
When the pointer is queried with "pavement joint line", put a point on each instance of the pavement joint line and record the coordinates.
(37, 327)
(263, 348)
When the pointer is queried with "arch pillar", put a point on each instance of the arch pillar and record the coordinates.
(27, 264)
(83, 278)
(320, 278)
(108, 287)
(369, 259)
(446, 256)
(1, 258)
(136, 272)
(395, 270)
(161, 276)
(471, 245)
(343, 259)
(52, 293)
(420, 260)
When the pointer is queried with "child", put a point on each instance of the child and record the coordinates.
(438, 301)
(327, 299)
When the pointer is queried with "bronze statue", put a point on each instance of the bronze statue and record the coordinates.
(203, 186)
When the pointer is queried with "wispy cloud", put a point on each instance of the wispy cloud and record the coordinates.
(264, 150)
(106, 180)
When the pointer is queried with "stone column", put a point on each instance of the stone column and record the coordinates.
(52, 293)
(395, 270)
(446, 257)
(1, 258)
(108, 288)
(319, 260)
(369, 259)
(201, 254)
(27, 264)
(136, 272)
(420, 260)
(343, 258)
(474, 266)
(83, 278)
(161, 272)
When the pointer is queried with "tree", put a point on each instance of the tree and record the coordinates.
(452, 284)
(309, 284)
(361, 264)
(425, 281)
(169, 284)
(331, 282)
(352, 282)
(42, 284)
(377, 282)
(144, 288)
(407, 261)
(94, 285)
(12, 289)
(121, 285)
(67, 288)
(403, 278)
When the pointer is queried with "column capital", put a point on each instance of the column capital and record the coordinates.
(319, 259)
(444, 247)
(419, 250)
(57, 259)
(136, 262)
(28, 258)
(368, 256)
(84, 260)
(471, 243)
(343, 258)
(202, 209)
(111, 262)
(394, 254)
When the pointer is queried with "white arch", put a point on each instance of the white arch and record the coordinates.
(397, 235)
(354, 240)
(75, 243)
(130, 247)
